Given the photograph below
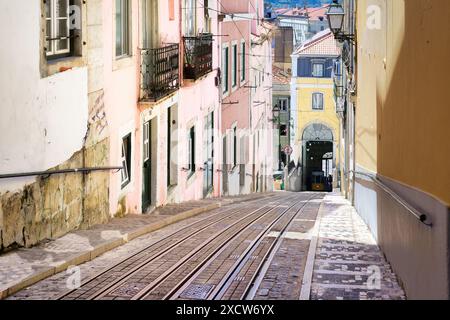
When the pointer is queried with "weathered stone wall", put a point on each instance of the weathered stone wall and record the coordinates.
(52, 206)
(96, 200)
(55, 205)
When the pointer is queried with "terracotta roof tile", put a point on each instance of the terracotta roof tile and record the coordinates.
(323, 43)
(280, 76)
(314, 13)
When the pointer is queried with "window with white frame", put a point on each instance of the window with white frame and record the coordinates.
(207, 18)
(234, 72)
(317, 101)
(123, 28)
(126, 161)
(146, 142)
(225, 67)
(58, 33)
(284, 104)
(243, 66)
(190, 17)
(318, 70)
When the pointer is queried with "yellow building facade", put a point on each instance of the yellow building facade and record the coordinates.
(398, 141)
(317, 126)
(306, 116)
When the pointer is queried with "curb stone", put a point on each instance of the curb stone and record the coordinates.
(311, 258)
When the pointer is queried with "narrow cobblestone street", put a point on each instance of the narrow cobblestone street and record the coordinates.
(256, 248)
(348, 263)
(252, 152)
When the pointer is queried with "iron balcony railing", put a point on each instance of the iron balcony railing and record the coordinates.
(338, 85)
(339, 100)
(198, 52)
(160, 72)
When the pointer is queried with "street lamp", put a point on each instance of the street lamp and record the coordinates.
(335, 16)
(277, 114)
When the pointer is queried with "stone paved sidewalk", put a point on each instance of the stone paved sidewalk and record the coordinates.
(23, 267)
(348, 263)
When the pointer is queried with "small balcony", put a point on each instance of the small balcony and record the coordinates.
(197, 56)
(160, 72)
(338, 85)
(339, 96)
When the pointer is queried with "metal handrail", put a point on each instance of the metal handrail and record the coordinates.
(63, 171)
(419, 216)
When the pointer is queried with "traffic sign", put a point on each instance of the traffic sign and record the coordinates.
(288, 150)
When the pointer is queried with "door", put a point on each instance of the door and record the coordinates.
(208, 165)
(224, 166)
(146, 167)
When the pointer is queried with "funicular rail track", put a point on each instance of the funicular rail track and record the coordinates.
(218, 257)
(245, 262)
(94, 287)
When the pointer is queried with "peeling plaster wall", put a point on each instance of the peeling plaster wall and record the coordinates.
(50, 123)
(43, 121)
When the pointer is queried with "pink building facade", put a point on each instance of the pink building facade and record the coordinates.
(136, 84)
(246, 99)
(261, 124)
(235, 94)
(199, 111)
(121, 91)
(162, 103)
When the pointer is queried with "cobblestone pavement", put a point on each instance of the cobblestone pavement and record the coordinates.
(348, 264)
(283, 279)
(347, 258)
(58, 284)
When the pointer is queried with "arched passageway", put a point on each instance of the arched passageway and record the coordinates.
(318, 158)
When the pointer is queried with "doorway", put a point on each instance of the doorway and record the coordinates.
(224, 166)
(208, 182)
(319, 163)
(146, 166)
(317, 157)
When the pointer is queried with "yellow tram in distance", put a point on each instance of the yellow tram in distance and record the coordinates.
(320, 183)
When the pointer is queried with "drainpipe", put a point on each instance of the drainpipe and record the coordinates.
(353, 155)
(219, 170)
(353, 112)
(180, 32)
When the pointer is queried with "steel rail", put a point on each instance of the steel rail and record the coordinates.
(161, 242)
(260, 214)
(240, 264)
(177, 291)
(117, 284)
(137, 269)
(123, 278)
